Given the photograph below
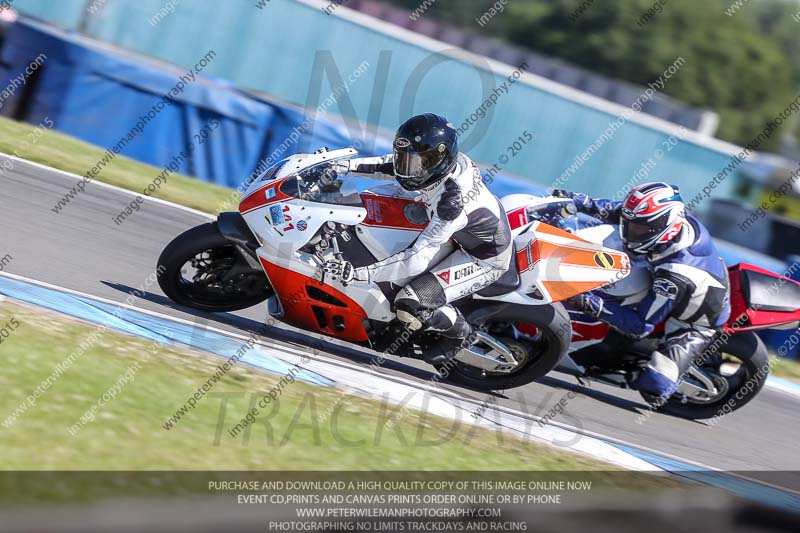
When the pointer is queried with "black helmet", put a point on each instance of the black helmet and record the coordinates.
(425, 151)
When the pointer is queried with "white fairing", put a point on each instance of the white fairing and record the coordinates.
(384, 242)
(517, 204)
(296, 163)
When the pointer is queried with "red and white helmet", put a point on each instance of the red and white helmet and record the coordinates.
(653, 215)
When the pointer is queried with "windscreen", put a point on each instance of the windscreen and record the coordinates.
(320, 184)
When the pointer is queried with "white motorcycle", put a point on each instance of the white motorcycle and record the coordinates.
(294, 217)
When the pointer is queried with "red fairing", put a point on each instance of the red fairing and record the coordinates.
(738, 306)
(581, 331)
(585, 331)
(263, 196)
(388, 212)
(751, 319)
(528, 329)
(312, 306)
(517, 217)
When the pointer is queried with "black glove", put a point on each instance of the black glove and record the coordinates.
(588, 302)
(560, 193)
(328, 176)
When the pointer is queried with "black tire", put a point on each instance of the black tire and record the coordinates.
(556, 333)
(242, 286)
(747, 382)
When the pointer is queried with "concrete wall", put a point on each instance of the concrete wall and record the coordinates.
(295, 51)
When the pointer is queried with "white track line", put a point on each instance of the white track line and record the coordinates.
(445, 403)
(70, 175)
(519, 423)
(507, 419)
(359, 369)
(62, 173)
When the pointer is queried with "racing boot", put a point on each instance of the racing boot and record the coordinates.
(450, 342)
(659, 380)
(667, 366)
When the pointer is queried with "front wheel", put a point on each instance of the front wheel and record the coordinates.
(738, 373)
(537, 354)
(203, 270)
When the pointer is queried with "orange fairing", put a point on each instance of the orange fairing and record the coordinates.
(312, 306)
(565, 265)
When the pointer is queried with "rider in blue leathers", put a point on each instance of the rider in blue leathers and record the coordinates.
(690, 288)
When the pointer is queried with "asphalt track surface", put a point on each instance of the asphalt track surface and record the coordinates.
(82, 249)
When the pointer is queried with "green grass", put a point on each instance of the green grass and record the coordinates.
(785, 368)
(60, 151)
(132, 422)
(127, 432)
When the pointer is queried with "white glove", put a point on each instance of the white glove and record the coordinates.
(344, 272)
(341, 167)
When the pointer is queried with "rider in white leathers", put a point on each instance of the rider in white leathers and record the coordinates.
(462, 211)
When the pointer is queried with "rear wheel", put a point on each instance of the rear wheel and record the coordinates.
(536, 354)
(202, 269)
(738, 375)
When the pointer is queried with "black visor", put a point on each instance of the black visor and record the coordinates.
(638, 230)
(417, 166)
